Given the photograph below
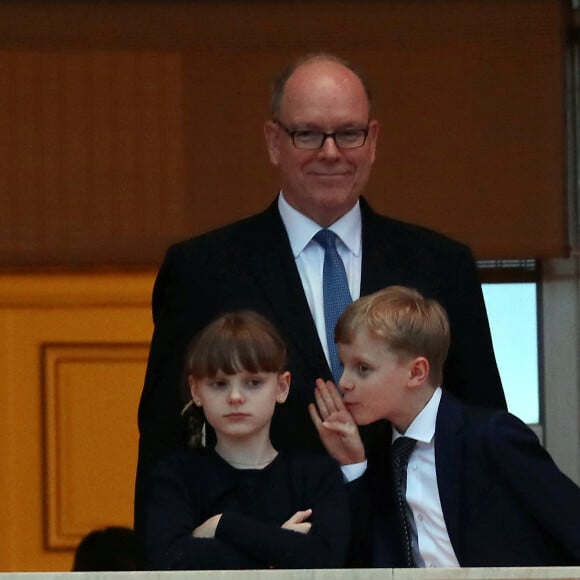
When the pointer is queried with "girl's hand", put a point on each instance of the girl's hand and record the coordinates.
(335, 425)
(208, 528)
(298, 523)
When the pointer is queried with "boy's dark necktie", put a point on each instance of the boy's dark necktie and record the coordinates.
(400, 452)
(336, 294)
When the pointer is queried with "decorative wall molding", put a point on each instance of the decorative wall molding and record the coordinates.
(86, 388)
(110, 288)
(73, 353)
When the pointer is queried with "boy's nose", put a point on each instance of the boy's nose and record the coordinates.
(344, 384)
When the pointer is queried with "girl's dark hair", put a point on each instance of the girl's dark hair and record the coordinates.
(233, 342)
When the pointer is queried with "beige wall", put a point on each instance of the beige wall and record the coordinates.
(73, 350)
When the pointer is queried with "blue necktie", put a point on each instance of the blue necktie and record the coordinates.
(336, 294)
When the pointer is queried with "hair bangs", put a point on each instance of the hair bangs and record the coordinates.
(236, 342)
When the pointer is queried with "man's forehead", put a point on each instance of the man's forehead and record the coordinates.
(321, 77)
(325, 97)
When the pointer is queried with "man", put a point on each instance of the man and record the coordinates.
(322, 140)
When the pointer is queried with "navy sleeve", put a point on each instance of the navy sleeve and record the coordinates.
(175, 506)
(171, 515)
(326, 543)
(551, 497)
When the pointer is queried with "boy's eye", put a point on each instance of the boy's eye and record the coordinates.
(362, 369)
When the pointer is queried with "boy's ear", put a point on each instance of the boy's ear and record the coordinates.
(283, 386)
(418, 371)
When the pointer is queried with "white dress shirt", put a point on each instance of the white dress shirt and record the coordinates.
(309, 256)
(431, 544)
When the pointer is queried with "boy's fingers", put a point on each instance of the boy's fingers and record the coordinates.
(316, 419)
(321, 403)
(330, 396)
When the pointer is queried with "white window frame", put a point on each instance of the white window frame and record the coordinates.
(560, 298)
(560, 336)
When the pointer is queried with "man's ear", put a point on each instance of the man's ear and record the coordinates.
(272, 135)
(418, 371)
(283, 386)
(372, 137)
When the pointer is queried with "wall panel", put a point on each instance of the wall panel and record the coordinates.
(132, 124)
(92, 156)
(73, 350)
(87, 433)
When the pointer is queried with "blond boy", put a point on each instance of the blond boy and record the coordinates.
(480, 490)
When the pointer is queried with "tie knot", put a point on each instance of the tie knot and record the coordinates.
(401, 450)
(326, 238)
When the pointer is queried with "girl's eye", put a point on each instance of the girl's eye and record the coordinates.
(254, 383)
(218, 384)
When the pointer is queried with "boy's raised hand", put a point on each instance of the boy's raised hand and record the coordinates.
(335, 425)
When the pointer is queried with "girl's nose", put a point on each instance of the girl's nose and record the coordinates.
(235, 395)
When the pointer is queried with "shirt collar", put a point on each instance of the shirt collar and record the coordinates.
(423, 426)
(301, 229)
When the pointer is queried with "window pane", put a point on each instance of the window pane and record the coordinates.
(512, 312)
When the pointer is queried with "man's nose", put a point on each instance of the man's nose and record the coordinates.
(329, 147)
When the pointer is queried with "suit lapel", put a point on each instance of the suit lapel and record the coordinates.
(383, 261)
(274, 268)
(448, 446)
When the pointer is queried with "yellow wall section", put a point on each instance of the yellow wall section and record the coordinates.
(73, 350)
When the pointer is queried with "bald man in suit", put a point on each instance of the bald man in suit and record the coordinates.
(322, 140)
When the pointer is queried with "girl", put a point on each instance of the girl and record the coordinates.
(241, 504)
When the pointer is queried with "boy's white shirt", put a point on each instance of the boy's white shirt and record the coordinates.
(431, 544)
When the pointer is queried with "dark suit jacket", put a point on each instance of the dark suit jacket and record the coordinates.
(249, 264)
(504, 501)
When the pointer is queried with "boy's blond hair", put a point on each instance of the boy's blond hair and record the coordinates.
(409, 323)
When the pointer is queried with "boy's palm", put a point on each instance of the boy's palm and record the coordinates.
(335, 425)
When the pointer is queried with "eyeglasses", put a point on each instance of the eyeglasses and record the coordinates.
(310, 139)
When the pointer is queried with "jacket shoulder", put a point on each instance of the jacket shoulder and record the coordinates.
(229, 234)
(406, 233)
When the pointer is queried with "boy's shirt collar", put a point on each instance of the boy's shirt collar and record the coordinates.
(423, 426)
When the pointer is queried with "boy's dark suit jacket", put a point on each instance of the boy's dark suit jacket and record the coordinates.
(249, 264)
(504, 501)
